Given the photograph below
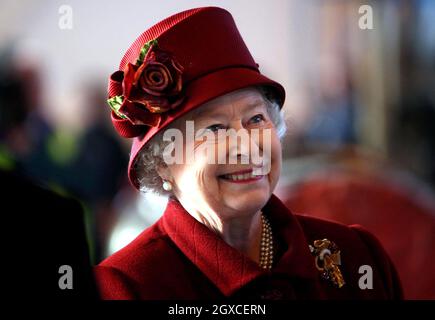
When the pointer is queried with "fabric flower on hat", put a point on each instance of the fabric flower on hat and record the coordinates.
(150, 87)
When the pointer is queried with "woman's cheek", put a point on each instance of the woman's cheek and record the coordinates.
(276, 155)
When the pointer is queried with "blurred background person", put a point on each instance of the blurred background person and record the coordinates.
(86, 161)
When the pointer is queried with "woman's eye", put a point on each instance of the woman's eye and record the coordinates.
(215, 127)
(257, 119)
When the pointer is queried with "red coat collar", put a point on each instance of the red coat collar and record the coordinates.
(225, 266)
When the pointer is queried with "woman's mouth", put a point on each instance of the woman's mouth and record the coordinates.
(245, 176)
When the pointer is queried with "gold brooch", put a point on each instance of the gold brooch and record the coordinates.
(327, 261)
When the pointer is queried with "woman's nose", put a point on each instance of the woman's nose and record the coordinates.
(236, 125)
(240, 142)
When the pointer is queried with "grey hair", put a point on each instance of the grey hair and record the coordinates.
(151, 155)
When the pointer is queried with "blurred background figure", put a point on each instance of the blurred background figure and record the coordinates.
(85, 161)
(46, 240)
(360, 108)
(22, 128)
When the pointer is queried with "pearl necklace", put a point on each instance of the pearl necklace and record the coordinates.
(266, 250)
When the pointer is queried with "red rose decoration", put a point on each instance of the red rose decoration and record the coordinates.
(156, 84)
(150, 87)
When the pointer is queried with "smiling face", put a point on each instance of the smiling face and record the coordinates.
(218, 190)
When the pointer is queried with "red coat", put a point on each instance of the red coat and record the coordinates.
(180, 258)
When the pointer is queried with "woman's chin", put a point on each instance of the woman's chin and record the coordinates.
(247, 201)
(245, 194)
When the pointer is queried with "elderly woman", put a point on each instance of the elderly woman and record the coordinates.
(207, 126)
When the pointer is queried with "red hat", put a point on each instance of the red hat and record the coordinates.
(175, 66)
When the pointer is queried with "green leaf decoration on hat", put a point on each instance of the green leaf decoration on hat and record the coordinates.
(143, 52)
(115, 103)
